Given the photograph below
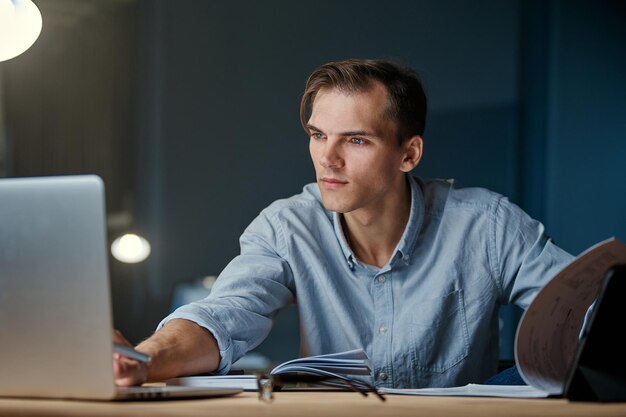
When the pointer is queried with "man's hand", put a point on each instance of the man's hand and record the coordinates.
(127, 371)
(181, 347)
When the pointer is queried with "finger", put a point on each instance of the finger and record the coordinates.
(118, 337)
(127, 371)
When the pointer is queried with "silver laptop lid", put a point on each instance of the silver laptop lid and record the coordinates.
(55, 312)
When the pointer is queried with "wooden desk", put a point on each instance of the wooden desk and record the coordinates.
(315, 404)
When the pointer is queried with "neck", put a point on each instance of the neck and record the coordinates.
(373, 235)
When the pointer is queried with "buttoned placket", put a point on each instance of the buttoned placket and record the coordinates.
(383, 325)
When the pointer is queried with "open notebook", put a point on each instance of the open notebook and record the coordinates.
(55, 307)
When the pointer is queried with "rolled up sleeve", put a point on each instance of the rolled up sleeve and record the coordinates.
(247, 295)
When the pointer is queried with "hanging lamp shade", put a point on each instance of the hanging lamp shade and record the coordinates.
(20, 26)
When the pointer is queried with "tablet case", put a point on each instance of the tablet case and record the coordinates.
(599, 371)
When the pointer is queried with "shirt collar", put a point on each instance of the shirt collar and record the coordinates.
(345, 248)
(416, 217)
(405, 246)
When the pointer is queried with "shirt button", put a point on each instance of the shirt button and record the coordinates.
(382, 329)
(383, 376)
(381, 279)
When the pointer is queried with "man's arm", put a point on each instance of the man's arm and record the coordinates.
(236, 316)
(181, 347)
(525, 257)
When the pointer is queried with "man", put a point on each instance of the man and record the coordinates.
(412, 271)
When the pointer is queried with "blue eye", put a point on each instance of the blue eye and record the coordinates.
(357, 141)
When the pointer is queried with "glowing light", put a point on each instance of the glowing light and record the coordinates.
(20, 26)
(130, 248)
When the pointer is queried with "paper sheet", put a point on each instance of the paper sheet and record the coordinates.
(548, 334)
(474, 390)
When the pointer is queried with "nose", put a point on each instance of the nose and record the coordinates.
(331, 155)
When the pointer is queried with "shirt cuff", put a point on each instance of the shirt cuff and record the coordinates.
(203, 320)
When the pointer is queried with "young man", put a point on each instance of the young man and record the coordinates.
(412, 271)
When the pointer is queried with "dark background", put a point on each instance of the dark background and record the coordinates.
(189, 111)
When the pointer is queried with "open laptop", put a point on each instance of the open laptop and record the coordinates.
(55, 306)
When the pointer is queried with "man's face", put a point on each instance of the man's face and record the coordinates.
(355, 150)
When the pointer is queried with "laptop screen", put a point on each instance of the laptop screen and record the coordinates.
(55, 311)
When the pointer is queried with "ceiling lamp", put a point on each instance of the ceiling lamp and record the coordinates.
(20, 26)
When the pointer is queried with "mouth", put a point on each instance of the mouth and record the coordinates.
(332, 182)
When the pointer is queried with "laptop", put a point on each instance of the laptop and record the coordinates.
(55, 302)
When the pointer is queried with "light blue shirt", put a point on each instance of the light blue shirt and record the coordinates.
(428, 318)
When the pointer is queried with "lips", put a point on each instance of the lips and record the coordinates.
(332, 181)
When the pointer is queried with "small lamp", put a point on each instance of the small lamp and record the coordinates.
(20, 26)
(130, 248)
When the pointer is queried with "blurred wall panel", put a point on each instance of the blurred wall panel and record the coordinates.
(70, 108)
(69, 101)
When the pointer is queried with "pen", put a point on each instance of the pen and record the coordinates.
(131, 353)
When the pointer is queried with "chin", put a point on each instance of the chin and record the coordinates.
(334, 206)
(336, 202)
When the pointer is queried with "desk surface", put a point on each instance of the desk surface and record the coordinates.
(315, 404)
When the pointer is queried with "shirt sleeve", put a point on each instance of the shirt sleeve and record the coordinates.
(524, 257)
(247, 295)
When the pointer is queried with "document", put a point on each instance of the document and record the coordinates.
(547, 336)
(474, 390)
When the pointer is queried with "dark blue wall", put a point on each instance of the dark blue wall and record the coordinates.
(526, 99)
(586, 131)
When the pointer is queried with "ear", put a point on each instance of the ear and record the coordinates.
(412, 153)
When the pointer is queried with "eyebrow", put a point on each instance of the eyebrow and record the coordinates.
(347, 133)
